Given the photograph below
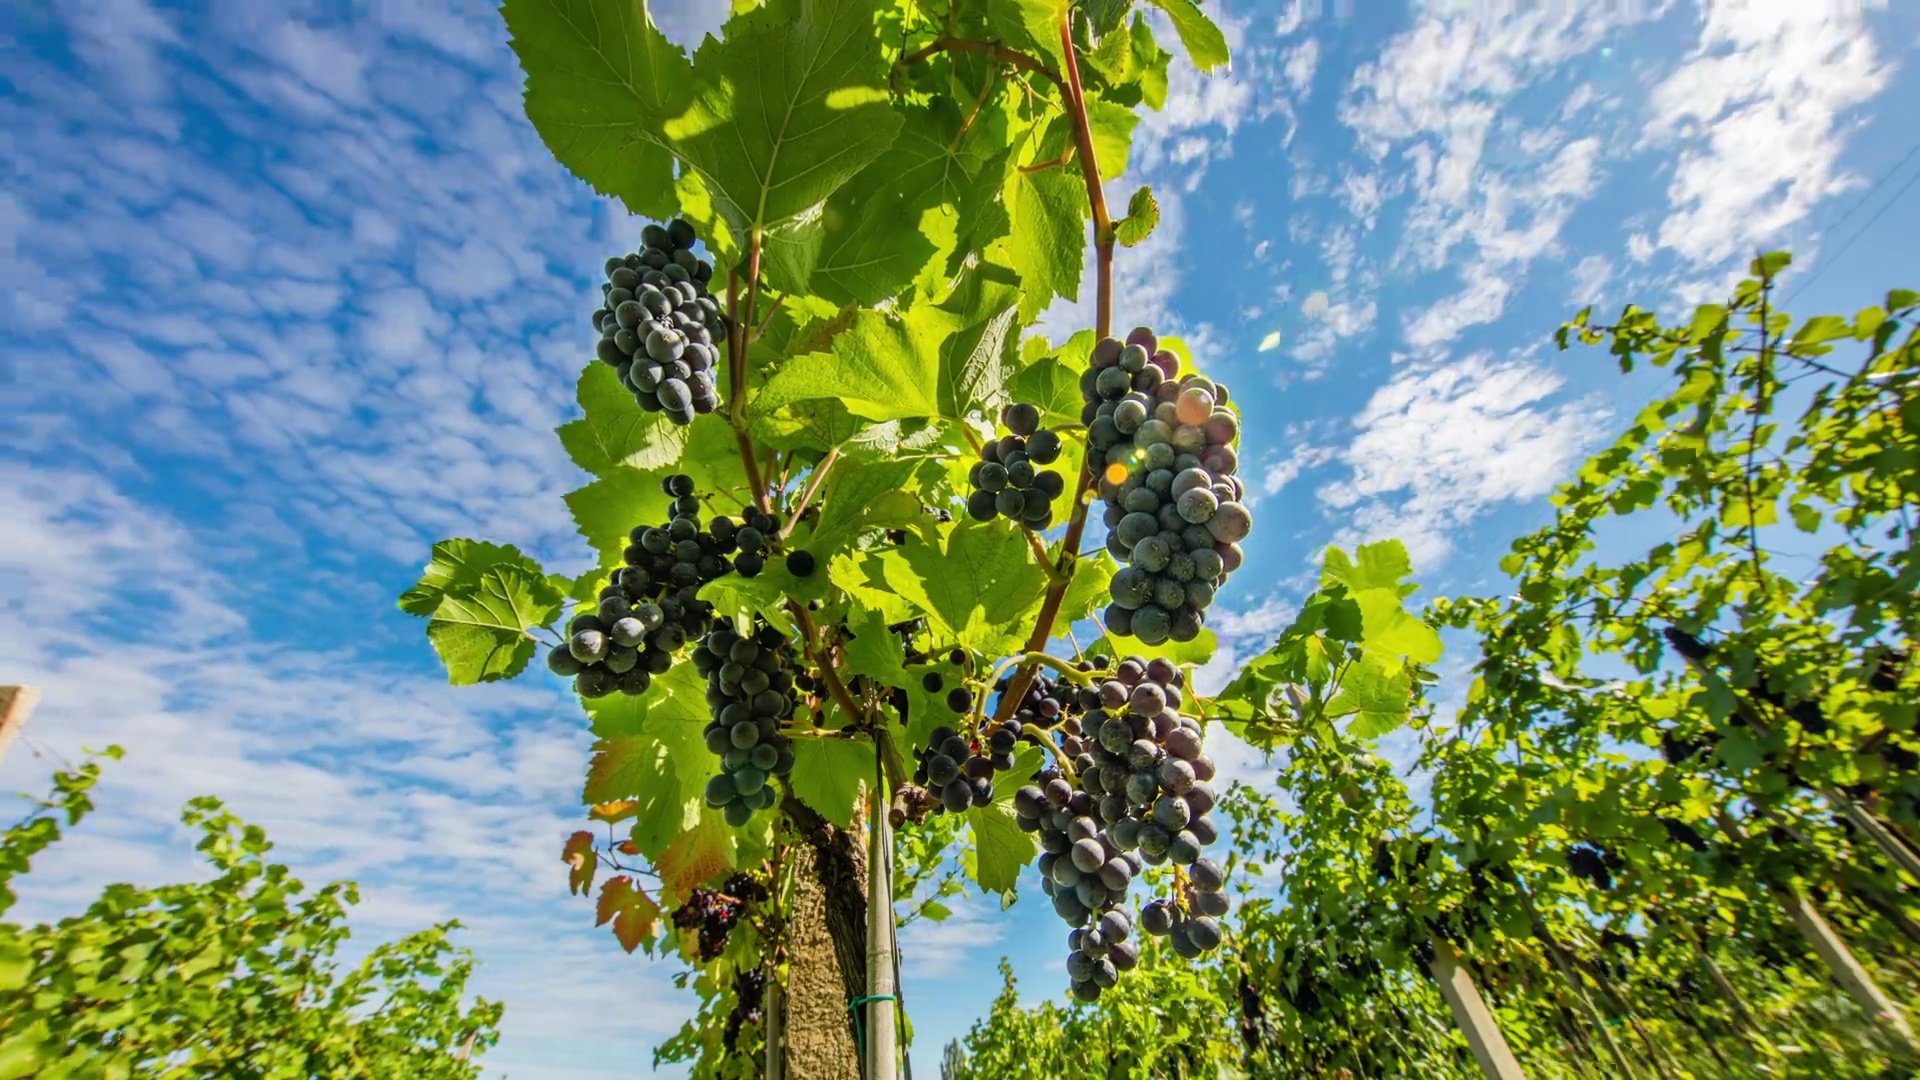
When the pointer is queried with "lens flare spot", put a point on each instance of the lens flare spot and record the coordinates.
(1116, 473)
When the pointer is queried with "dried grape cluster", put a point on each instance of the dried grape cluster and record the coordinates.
(1010, 479)
(1144, 797)
(712, 913)
(750, 689)
(650, 608)
(1163, 447)
(749, 990)
(659, 326)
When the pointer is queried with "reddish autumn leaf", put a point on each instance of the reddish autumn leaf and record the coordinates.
(634, 914)
(627, 847)
(700, 853)
(582, 861)
(613, 811)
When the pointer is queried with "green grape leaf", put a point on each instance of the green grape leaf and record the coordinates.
(829, 774)
(765, 594)
(933, 360)
(481, 632)
(1206, 45)
(602, 82)
(858, 495)
(1143, 213)
(1087, 592)
(1051, 381)
(1376, 694)
(1000, 849)
(608, 509)
(1046, 238)
(789, 103)
(456, 566)
(1030, 26)
(1384, 565)
(874, 651)
(978, 587)
(1111, 127)
(614, 432)
(887, 225)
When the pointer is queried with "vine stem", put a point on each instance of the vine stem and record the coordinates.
(1103, 327)
(813, 486)
(738, 342)
(1014, 57)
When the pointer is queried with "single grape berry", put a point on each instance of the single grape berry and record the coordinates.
(800, 563)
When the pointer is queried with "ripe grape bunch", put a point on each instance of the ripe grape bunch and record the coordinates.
(659, 326)
(960, 771)
(1144, 798)
(750, 689)
(651, 608)
(1009, 479)
(1164, 451)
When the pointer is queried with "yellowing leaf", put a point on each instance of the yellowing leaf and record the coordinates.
(634, 915)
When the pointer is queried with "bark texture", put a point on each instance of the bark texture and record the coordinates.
(827, 950)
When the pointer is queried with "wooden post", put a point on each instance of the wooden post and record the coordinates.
(16, 703)
(1845, 968)
(771, 1025)
(881, 1047)
(1470, 1012)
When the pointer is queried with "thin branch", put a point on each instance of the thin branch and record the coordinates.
(813, 486)
(737, 343)
(1066, 158)
(949, 43)
(1103, 327)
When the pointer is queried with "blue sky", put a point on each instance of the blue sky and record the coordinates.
(289, 298)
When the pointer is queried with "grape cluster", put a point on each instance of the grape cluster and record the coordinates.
(1191, 922)
(747, 541)
(960, 771)
(750, 689)
(1164, 448)
(711, 915)
(1009, 479)
(651, 608)
(1055, 703)
(714, 912)
(1144, 797)
(1087, 875)
(659, 326)
(749, 989)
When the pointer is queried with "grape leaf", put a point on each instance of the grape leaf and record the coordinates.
(481, 633)
(601, 83)
(1000, 849)
(790, 103)
(650, 750)
(1087, 592)
(874, 652)
(875, 239)
(858, 495)
(635, 917)
(616, 432)
(608, 509)
(828, 775)
(1143, 213)
(582, 861)
(934, 360)
(703, 852)
(1376, 694)
(1206, 45)
(764, 594)
(1111, 125)
(1046, 240)
(976, 354)
(456, 566)
(979, 587)
(1051, 380)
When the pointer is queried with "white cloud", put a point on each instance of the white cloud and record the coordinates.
(1759, 113)
(1590, 277)
(941, 950)
(1283, 471)
(1298, 64)
(1439, 445)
